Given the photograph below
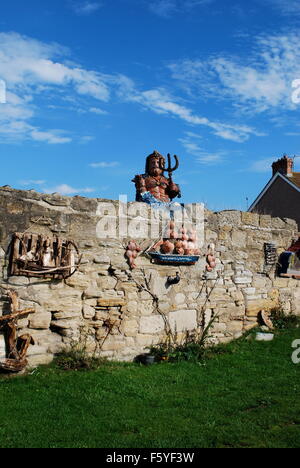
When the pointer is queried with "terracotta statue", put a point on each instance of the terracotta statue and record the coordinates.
(211, 259)
(132, 252)
(153, 186)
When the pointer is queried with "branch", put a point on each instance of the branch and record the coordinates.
(16, 315)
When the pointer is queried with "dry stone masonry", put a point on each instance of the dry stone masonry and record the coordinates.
(122, 311)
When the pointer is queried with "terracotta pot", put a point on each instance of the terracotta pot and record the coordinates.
(173, 235)
(192, 236)
(191, 245)
(185, 244)
(167, 247)
(157, 246)
(184, 235)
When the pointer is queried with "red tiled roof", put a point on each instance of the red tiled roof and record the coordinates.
(295, 179)
(295, 246)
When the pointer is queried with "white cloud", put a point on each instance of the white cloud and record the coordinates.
(26, 183)
(96, 110)
(191, 144)
(287, 7)
(166, 8)
(65, 189)
(52, 138)
(86, 139)
(30, 67)
(262, 165)
(86, 8)
(104, 164)
(257, 83)
(26, 63)
(160, 102)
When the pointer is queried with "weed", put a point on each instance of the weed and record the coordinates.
(189, 348)
(282, 321)
(77, 356)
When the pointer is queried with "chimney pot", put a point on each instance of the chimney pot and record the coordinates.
(285, 166)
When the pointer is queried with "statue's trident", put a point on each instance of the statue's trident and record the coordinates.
(170, 169)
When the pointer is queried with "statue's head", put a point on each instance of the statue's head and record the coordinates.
(155, 164)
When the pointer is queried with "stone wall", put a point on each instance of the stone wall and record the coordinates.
(105, 292)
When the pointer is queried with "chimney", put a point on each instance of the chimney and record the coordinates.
(284, 165)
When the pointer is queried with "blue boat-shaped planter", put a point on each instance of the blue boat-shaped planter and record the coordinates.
(165, 259)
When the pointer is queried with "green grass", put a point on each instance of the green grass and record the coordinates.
(248, 396)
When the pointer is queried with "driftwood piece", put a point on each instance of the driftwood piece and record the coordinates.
(16, 316)
(35, 255)
(266, 319)
(13, 365)
(14, 301)
(16, 346)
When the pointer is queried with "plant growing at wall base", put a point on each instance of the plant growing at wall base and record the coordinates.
(190, 348)
(77, 357)
(282, 321)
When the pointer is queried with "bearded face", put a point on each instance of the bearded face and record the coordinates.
(154, 167)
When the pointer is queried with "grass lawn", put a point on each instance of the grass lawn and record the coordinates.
(248, 396)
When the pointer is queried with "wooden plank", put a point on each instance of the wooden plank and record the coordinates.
(25, 244)
(15, 255)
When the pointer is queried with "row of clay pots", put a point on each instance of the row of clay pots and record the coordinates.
(183, 234)
(178, 247)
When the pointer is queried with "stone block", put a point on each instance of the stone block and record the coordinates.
(249, 291)
(146, 340)
(2, 347)
(254, 307)
(78, 281)
(229, 217)
(67, 314)
(111, 302)
(88, 311)
(179, 299)
(239, 239)
(235, 327)
(130, 328)
(251, 219)
(265, 221)
(106, 282)
(219, 328)
(64, 324)
(242, 280)
(146, 307)
(152, 324)
(40, 321)
(132, 307)
(37, 350)
(101, 259)
(113, 343)
(39, 360)
(182, 320)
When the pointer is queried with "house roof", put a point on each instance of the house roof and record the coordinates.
(295, 246)
(295, 178)
(293, 181)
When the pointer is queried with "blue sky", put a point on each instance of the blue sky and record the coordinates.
(93, 87)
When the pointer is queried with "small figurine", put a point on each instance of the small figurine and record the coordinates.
(211, 259)
(132, 252)
(48, 255)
